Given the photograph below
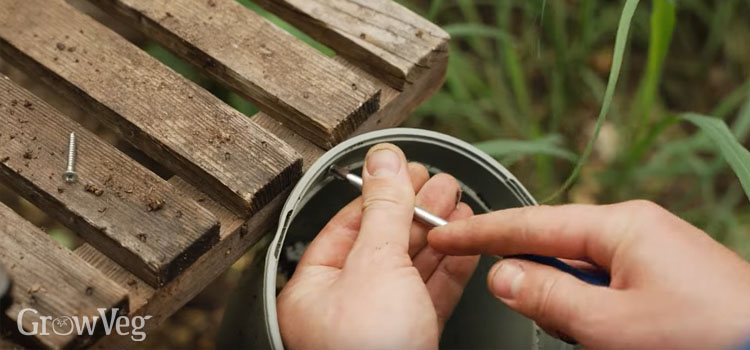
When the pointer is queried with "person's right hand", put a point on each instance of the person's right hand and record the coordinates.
(672, 285)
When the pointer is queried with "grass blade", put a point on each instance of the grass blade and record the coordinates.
(512, 64)
(741, 126)
(662, 26)
(623, 30)
(737, 156)
(719, 20)
(473, 30)
(550, 146)
(435, 8)
(732, 101)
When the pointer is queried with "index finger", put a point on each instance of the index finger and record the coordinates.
(570, 231)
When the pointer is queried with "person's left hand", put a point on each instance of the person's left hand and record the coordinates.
(369, 278)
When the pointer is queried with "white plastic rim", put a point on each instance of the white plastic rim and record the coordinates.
(318, 172)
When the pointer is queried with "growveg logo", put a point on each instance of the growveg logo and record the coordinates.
(67, 325)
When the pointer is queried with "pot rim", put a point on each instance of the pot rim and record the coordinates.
(318, 172)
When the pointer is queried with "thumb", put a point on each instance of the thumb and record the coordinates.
(555, 300)
(387, 200)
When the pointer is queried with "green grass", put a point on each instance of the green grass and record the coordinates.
(609, 93)
(527, 78)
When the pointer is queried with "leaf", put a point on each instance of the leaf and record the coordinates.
(620, 42)
(737, 156)
(662, 26)
(473, 30)
(549, 145)
(741, 126)
(512, 63)
(434, 9)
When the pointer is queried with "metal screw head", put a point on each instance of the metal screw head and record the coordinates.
(70, 177)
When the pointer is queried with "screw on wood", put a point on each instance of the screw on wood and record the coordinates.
(70, 175)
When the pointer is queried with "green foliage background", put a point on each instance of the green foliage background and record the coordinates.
(528, 81)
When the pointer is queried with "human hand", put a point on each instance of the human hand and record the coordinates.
(672, 285)
(369, 277)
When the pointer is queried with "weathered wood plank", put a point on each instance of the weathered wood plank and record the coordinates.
(308, 150)
(311, 93)
(138, 290)
(237, 237)
(174, 121)
(117, 204)
(382, 36)
(51, 280)
(395, 107)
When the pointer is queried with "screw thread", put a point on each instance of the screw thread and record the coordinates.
(71, 151)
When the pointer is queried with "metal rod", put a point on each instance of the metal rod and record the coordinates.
(420, 214)
(597, 278)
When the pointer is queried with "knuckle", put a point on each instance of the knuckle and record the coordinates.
(641, 207)
(543, 307)
(448, 178)
(386, 197)
(529, 214)
(418, 170)
(582, 324)
(527, 218)
(638, 213)
(453, 271)
(464, 211)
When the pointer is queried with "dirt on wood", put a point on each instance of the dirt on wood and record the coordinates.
(154, 204)
(94, 189)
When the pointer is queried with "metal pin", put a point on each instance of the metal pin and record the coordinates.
(420, 214)
(70, 175)
(597, 278)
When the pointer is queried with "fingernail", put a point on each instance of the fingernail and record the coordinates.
(506, 280)
(383, 163)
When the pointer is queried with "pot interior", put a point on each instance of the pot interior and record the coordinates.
(479, 320)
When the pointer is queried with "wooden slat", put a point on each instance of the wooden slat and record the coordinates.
(137, 289)
(174, 121)
(165, 301)
(117, 204)
(395, 107)
(311, 93)
(385, 38)
(308, 150)
(51, 280)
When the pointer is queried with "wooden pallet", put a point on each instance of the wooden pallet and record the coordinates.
(152, 244)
